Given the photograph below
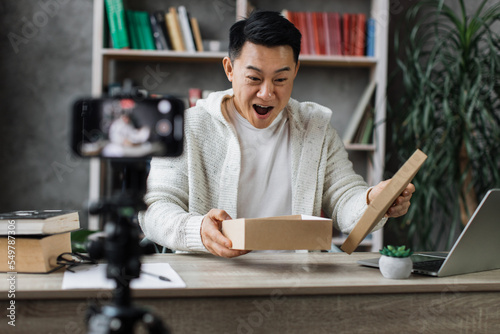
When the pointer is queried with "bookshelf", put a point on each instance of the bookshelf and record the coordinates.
(110, 65)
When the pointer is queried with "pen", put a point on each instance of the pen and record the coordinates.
(163, 278)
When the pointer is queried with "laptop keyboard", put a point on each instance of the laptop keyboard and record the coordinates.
(433, 265)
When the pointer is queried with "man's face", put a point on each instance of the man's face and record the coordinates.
(262, 79)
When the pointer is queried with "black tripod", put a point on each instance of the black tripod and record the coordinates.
(121, 249)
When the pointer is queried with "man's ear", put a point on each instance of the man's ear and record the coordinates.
(228, 68)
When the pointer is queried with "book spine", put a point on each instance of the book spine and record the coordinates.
(132, 29)
(310, 32)
(146, 33)
(117, 24)
(197, 34)
(337, 37)
(159, 38)
(345, 34)
(360, 33)
(353, 18)
(160, 18)
(327, 34)
(370, 37)
(187, 35)
(174, 30)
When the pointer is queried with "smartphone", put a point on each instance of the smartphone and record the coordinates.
(127, 128)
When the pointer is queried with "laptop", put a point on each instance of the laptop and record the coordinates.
(476, 249)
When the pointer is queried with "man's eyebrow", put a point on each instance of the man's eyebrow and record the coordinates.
(283, 69)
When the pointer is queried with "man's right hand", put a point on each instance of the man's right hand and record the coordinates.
(212, 237)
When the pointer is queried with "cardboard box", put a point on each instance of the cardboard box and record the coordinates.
(279, 233)
(379, 206)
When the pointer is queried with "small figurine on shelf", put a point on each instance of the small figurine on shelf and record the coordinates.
(395, 262)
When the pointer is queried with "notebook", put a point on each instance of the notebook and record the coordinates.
(476, 249)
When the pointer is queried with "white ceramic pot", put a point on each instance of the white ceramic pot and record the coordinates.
(395, 267)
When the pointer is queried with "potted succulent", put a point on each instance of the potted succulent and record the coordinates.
(395, 262)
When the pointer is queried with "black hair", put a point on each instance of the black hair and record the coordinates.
(265, 28)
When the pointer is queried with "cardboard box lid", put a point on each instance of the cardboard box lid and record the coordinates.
(379, 206)
(279, 233)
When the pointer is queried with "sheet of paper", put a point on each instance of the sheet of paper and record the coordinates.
(94, 277)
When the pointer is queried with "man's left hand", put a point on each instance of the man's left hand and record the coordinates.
(401, 204)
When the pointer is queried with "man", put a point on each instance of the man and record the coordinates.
(252, 151)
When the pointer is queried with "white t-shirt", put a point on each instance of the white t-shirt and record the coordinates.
(265, 184)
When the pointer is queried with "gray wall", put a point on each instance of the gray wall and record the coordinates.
(45, 63)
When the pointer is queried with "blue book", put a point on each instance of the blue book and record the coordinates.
(370, 37)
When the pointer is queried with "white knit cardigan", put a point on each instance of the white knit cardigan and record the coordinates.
(182, 190)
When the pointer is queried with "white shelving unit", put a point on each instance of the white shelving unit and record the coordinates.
(103, 58)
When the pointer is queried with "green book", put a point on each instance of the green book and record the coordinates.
(117, 24)
(133, 30)
(146, 34)
(368, 131)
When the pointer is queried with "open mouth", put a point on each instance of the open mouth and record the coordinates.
(262, 110)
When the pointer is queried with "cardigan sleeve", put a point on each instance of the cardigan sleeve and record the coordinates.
(344, 195)
(167, 220)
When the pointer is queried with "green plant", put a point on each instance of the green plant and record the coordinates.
(79, 240)
(392, 251)
(449, 64)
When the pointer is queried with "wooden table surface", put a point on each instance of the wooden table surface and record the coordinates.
(275, 293)
(256, 274)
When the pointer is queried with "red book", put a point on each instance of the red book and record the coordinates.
(310, 32)
(353, 21)
(327, 33)
(345, 34)
(319, 33)
(300, 18)
(360, 33)
(335, 33)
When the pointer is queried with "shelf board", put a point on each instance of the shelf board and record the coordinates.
(156, 55)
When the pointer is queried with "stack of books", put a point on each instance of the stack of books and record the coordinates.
(173, 30)
(331, 33)
(31, 241)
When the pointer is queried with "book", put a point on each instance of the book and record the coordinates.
(346, 44)
(335, 33)
(133, 31)
(39, 222)
(187, 34)
(319, 33)
(309, 31)
(158, 35)
(145, 32)
(197, 35)
(33, 254)
(379, 206)
(359, 35)
(358, 113)
(117, 24)
(174, 30)
(160, 19)
(370, 37)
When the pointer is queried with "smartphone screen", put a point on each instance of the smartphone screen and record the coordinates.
(125, 128)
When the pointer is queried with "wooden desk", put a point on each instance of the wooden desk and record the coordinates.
(275, 293)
